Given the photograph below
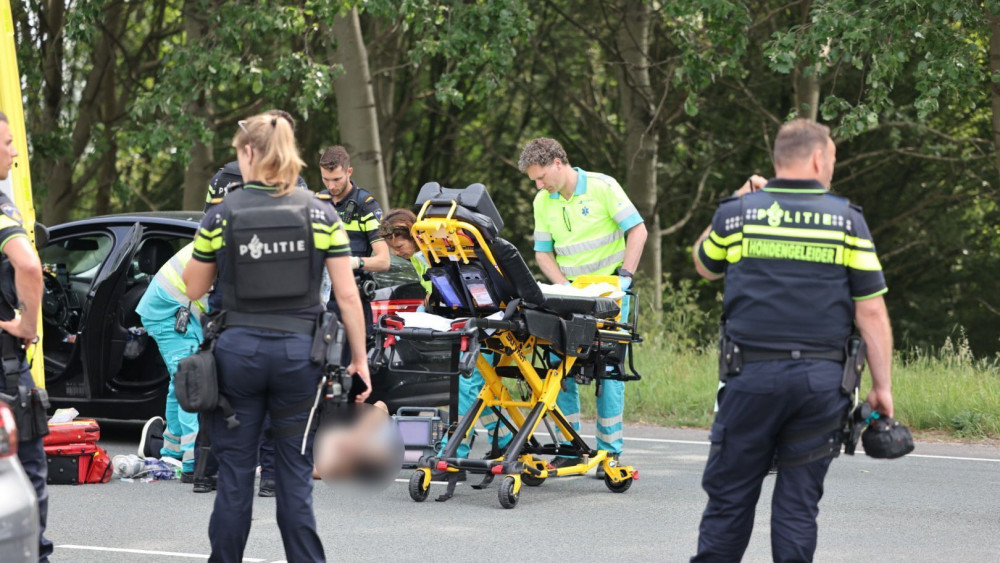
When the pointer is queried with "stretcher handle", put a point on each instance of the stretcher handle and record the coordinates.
(424, 334)
(496, 324)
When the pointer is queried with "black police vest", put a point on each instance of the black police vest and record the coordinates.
(351, 213)
(788, 287)
(8, 291)
(270, 265)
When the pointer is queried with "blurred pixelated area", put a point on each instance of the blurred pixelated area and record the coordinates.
(357, 444)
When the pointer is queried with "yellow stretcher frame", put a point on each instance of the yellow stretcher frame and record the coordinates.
(20, 176)
(444, 239)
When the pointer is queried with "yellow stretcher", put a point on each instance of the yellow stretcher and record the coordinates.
(511, 332)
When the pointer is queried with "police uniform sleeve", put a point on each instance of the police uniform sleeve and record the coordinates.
(329, 235)
(208, 239)
(371, 219)
(863, 267)
(620, 207)
(543, 234)
(725, 234)
(10, 224)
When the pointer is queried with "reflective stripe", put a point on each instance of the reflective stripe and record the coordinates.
(169, 277)
(713, 251)
(573, 418)
(188, 455)
(862, 260)
(794, 233)
(625, 213)
(858, 242)
(592, 244)
(607, 422)
(189, 438)
(543, 235)
(609, 438)
(731, 239)
(573, 271)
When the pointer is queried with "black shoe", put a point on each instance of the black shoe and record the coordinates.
(187, 477)
(438, 475)
(600, 468)
(266, 488)
(205, 484)
(561, 462)
(151, 440)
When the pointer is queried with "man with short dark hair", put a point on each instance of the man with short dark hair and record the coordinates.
(361, 215)
(801, 270)
(21, 331)
(584, 225)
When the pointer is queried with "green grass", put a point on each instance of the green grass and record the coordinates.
(946, 390)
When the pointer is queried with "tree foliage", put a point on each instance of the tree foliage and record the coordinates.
(125, 99)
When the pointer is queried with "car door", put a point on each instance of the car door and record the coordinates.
(97, 322)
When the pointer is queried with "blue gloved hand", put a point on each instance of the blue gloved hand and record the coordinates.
(624, 282)
(421, 309)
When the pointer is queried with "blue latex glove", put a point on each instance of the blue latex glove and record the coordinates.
(421, 309)
(624, 282)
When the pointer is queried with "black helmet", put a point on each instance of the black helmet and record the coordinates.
(886, 438)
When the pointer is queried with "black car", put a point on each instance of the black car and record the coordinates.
(97, 357)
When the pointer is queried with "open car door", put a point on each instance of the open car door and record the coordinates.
(102, 341)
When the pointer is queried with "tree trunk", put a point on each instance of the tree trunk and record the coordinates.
(57, 171)
(995, 87)
(641, 135)
(356, 116)
(201, 164)
(805, 84)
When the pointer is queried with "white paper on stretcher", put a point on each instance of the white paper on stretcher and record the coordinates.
(602, 289)
(436, 322)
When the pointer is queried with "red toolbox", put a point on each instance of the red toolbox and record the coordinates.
(79, 431)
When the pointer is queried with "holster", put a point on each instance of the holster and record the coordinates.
(30, 405)
(854, 365)
(730, 357)
(328, 341)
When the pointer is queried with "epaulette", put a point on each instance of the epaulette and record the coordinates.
(215, 200)
(370, 198)
(324, 197)
(856, 207)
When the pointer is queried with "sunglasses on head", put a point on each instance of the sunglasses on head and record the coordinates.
(389, 232)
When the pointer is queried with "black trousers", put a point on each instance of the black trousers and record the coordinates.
(754, 408)
(260, 371)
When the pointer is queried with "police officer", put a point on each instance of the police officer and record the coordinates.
(22, 331)
(800, 267)
(268, 243)
(584, 224)
(174, 322)
(361, 215)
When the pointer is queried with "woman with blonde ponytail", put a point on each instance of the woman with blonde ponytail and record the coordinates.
(268, 243)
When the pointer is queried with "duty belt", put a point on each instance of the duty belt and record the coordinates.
(771, 355)
(279, 323)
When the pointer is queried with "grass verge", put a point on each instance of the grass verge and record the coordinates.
(946, 390)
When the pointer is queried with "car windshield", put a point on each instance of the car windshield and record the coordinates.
(77, 258)
(400, 271)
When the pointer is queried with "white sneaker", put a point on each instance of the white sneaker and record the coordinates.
(151, 439)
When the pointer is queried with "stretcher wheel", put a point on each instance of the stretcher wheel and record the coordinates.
(417, 490)
(620, 486)
(531, 480)
(508, 498)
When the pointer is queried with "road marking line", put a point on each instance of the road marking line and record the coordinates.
(698, 443)
(432, 482)
(147, 552)
(953, 457)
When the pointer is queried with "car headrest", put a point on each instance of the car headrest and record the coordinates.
(154, 254)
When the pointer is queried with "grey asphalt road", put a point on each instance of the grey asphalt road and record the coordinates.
(942, 503)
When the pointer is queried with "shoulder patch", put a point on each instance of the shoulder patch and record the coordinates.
(378, 213)
(12, 212)
(369, 198)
